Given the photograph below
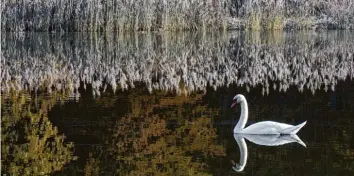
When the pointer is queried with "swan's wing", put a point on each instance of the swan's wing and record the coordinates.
(266, 127)
(293, 129)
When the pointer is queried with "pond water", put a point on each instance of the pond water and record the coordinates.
(159, 103)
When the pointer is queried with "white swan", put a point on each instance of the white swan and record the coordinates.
(265, 127)
(267, 140)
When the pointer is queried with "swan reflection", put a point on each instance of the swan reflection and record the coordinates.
(266, 140)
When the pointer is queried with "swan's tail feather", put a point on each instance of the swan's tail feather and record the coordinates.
(298, 140)
(293, 129)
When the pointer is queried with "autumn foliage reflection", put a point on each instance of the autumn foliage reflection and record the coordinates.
(31, 145)
(161, 135)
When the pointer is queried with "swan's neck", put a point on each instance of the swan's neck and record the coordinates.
(243, 118)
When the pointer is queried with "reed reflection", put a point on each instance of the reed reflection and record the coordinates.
(183, 62)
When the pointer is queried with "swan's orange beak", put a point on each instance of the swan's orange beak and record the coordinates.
(234, 104)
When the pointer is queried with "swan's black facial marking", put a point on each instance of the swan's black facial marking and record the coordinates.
(237, 99)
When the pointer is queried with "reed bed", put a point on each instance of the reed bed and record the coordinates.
(112, 15)
(175, 15)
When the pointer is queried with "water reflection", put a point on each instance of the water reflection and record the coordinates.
(266, 140)
(149, 118)
(146, 134)
(178, 62)
(141, 133)
(30, 144)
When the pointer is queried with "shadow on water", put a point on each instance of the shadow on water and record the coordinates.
(146, 104)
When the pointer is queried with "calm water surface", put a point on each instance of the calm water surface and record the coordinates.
(149, 104)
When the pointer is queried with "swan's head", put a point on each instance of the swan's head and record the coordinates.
(238, 99)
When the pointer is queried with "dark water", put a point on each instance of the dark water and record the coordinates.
(150, 104)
